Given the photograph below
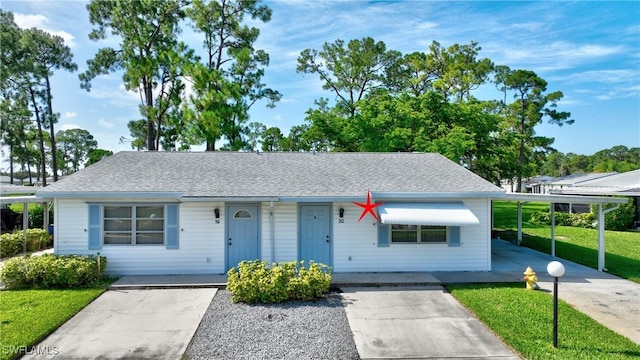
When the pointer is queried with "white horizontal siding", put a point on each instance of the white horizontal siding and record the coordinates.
(202, 242)
(284, 245)
(356, 249)
(201, 245)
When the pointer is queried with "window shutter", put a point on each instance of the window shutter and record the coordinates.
(95, 228)
(171, 226)
(454, 236)
(383, 235)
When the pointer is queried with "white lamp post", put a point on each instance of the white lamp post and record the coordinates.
(555, 269)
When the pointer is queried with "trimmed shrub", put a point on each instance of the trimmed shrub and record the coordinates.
(12, 243)
(255, 282)
(52, 271)
(36, 217)
(618, 219)
(585, 220)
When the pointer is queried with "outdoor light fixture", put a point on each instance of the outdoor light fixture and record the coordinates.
(341, 212)
(216, 212)
(555, 269)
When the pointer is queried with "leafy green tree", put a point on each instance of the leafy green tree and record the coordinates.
(228, 82)
(350, 71)
(50, 53)
(149, 54)
(255, 134)
(96, 155)
(75, 145)
(530, 107)
(138, 130)
(272, 139)
(457, 70)
(296, 140)
(29, 59)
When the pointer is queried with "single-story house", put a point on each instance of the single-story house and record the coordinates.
(204, 212)
(612, 184)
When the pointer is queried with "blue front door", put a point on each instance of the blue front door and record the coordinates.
(315, 234)
(242, 234)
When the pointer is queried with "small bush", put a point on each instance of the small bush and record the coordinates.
(256, 282)
(586, 220)
(52, 271)
(12, 243)
(36, 216)
(618, 219)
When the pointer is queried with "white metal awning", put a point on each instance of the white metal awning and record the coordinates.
(442, 214)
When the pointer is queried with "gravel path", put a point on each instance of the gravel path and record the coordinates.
(291, 330)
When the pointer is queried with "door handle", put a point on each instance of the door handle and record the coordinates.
(328, 238)
(229, 241)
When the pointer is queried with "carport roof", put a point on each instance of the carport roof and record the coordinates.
(575, 199)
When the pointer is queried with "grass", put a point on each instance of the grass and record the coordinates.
(28, 316)
(18, 207)
(580, 245)
(523, 320)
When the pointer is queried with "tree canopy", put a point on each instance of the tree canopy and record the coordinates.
(376, 99)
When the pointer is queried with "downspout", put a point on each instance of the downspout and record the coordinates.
(272, 232)
(601, 226)
(553, 229)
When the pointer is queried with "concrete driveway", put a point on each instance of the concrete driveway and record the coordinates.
(417, 322)
(131, 324)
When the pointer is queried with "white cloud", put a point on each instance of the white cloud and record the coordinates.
(105, 124)
(69, 127)
(40, 22)
(69, 115)
(119, 97)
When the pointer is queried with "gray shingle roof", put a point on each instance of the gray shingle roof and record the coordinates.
(227, 174)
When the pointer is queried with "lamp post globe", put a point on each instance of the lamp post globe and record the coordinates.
(555, 269)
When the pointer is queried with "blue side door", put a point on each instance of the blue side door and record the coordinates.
(242, 234)
(315, 234)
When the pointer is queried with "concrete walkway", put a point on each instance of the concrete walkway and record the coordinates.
(131, 324)
(417, 322)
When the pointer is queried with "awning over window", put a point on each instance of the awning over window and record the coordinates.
(442, 214)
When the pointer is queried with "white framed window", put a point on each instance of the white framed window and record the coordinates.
(415, 234)
(133, 224)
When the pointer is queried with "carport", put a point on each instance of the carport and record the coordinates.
(521, 198)
(13, 194)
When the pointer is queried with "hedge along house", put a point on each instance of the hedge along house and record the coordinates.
(203, 213)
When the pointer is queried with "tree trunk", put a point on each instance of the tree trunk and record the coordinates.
(43, 162)
(211, 146)
(54, 152)
(148, 87)
(11, 164)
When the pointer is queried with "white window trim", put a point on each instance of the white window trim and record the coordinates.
(133, 219)
(419, 234)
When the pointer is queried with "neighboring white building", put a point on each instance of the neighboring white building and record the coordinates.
(137, 209)
(612, 184)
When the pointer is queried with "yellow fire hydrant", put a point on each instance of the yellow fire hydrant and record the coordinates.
(530, 278)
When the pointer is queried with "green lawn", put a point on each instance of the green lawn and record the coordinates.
(18, 207)
(622, 249)
(523, 319)
(28, 316)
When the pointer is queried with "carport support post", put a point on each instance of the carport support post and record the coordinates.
(600, 238)
(25, 225)
(519, 223)
(45, 223)
(553, 230)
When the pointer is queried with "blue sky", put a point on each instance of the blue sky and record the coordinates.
(588, 50)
